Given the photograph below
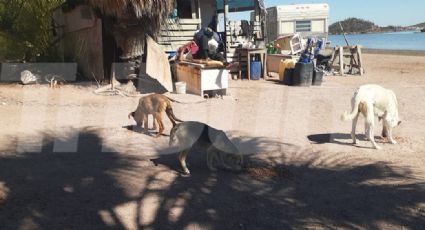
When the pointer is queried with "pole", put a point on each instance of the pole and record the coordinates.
(352, 58)
(343, 33)
(226, 13)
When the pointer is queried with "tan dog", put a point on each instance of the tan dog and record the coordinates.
(154, 104)
(371, 100)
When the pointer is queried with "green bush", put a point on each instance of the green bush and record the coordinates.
(26, 29)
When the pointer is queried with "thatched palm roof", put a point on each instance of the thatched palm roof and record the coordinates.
(152, 12)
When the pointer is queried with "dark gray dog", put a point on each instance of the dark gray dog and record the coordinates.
(219, 148)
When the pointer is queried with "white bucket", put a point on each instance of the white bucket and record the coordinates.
(180, 87)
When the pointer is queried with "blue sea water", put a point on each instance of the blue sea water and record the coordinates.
(406, 40)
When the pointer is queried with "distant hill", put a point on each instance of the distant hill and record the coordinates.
(419, 25)
(353, 25)
(356, 25)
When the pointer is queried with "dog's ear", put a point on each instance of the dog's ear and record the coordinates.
(399, 122)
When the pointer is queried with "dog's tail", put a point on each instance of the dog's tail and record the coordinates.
(186, 103)
(354, 111)
(171, 116)
(131, 114)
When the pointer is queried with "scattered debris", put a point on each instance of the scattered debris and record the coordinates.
(267, 172)
(28, 78)
(54, 81)
(126, 90)
(399, 140)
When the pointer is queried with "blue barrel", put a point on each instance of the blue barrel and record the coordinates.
(171, 54)
(255, 70)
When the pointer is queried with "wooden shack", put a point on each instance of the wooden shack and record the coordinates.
(96, 33)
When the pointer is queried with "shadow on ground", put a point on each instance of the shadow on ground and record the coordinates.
(336, 138)
(314, 196)
(49, 190)
(62, 190)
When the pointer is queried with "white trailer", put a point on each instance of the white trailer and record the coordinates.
(305, 19)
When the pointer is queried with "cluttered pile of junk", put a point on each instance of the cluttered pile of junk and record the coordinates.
(200, 67)
(302, 61)
(206, 48)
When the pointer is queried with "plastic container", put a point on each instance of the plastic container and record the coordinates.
(255, 70)
(317, 77)
(180, 87)
(303, 74)
(171, 54)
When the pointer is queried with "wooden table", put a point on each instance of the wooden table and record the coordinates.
(200, 78)
(252, 51)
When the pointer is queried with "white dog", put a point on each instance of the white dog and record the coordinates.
(371, 100)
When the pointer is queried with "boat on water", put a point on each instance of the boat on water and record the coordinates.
(423, 30)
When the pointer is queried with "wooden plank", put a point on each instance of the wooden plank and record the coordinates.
(174, 39)
(341, 60)
(175, 27)
(83, 43)
(191, 77)
(184, 21)
(226, 21)
(176, 33)
(199, 79)
(155, 58)
(192, 64)
(178, 44)
(359, 57)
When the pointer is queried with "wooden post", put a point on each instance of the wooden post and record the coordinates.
(199, 13)
(341, 60)
(265, 73)
(248, 70)
(226, 14)
(193, 8)
(256, 12)
(360, 61)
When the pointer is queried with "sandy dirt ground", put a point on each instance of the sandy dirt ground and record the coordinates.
(69, 162)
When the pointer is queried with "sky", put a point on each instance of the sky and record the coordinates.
(380, 12)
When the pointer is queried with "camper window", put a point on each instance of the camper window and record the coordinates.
(302, 26)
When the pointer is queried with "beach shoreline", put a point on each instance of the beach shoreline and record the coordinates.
(394, 52)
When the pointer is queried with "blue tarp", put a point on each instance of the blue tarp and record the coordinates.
(239, 5)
